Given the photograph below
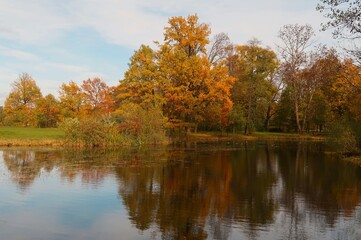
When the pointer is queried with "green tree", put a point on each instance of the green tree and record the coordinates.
(20, 105)
(254, 69)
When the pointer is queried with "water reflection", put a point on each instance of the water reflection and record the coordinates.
(239, 190)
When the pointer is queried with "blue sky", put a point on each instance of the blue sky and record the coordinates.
(61, 40)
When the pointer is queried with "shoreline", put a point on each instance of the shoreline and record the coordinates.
(262, 136)
(192, 137)
(31, 143)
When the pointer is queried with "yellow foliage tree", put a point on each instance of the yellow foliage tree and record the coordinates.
(20, 105)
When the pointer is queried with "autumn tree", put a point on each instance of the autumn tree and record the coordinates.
(187, 34)
(317, 78)
(220, 48)
(189, 88)
(347, 91)
(296, 39)
(178, 78)
(192, 87)
(97, 96)
(21, 103)
(71, 100)
(346, 96)
(255, 88)
(344, 19)
(48, 111)
(141, 83)
(2, 115)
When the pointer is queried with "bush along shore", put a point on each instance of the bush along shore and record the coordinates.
(91, 133)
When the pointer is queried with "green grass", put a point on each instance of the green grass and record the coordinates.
(30, 133)
(30, 136)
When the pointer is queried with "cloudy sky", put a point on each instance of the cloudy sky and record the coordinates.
(61, 40)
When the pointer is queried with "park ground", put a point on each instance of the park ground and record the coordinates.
(30, 136)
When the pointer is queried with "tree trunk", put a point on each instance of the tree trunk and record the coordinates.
(297, 116)
(196, 128)
(305, 113)
(246, 128)
(268, 118)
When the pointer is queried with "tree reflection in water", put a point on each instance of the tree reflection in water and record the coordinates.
(287, 190)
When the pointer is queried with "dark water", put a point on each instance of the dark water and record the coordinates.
(230, 191)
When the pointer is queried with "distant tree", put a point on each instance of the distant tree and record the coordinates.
(317, 78)
(347, 91)
(141, 83)
(187, 34)
(48, 111)
(97, 96)
(220, 48)
(179, 79)
(20, 105)
(71, 100)
(194, 90)
(296, 39)
(254, 89)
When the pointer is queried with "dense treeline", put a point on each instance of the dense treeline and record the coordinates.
(192, 82)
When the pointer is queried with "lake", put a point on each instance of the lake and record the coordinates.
(231, 190)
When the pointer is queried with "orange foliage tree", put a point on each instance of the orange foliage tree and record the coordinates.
(48, 111)
(71, 100)
(97, 96)
(179, 78)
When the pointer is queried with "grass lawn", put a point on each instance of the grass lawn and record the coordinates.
(30, 136)
(30, 133)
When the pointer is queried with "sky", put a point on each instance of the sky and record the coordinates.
(56, 41)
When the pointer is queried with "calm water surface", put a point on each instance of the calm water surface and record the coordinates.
(251, 190)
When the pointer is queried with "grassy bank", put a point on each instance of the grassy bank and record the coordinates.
(258, 136)
(29, 136)
(21, 136)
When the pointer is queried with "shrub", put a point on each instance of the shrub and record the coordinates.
(91, 132)
(345, 136)
(144, 126)
(71, 128)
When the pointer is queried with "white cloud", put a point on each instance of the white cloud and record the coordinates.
(32, 21)
(18, 54)
(132, 23)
